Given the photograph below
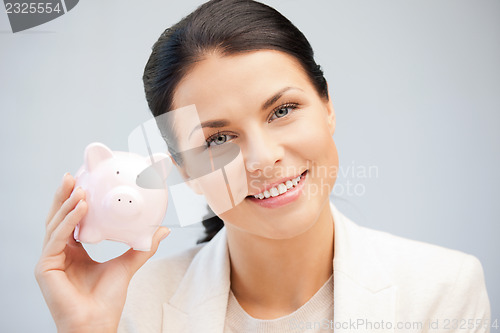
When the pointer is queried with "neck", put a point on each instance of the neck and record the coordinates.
(272, 278)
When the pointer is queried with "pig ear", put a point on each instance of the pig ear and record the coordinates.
(162, 163)
(95, 153)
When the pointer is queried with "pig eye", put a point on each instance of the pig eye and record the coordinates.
(118, 172)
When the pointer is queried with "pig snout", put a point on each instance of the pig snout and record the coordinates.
(124, 201)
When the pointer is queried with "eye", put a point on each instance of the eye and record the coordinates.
(282, 111)
(218, 139)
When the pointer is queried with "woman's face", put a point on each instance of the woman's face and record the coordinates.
(264, 103)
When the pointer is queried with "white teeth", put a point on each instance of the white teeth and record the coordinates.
(278, 190)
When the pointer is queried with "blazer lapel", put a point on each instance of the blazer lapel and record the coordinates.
(200, 302)
(364, 295)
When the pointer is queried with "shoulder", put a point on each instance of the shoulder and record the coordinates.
(169, 269)
(151, 287)
(409, 259)
(449, 282)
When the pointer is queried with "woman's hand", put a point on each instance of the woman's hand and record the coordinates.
(83, 295)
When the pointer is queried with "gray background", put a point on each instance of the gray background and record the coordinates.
(415, 85)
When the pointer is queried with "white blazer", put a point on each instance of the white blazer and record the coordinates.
(382, 283)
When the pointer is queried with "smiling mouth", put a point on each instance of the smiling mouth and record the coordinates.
(279, 189)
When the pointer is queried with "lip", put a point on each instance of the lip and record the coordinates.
(283, 199)
(283, 180)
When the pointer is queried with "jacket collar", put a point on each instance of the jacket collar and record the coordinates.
(362, 289)
(200, 302)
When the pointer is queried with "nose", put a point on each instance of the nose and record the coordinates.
(262, 151)
(124, 201)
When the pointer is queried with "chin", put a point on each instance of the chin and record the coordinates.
(283, 228)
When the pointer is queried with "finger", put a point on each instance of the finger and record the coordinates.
(62, 193)
(66, 207)
(59, 238)
(75, 250)
(132, 260)
(72, 241)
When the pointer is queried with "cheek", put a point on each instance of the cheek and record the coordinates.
(226, 187)
(314, 145)
(312, 141)
(213, 187)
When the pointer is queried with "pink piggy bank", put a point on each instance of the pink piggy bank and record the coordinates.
(119, 208)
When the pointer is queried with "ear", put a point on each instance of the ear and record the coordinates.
(192, 183)
(330, 114)
(95, 153)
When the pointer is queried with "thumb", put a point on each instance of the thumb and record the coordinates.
(133, 259)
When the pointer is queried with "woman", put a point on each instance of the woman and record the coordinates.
(284, 258)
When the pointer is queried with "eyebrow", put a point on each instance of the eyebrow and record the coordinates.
(222, 122)
(210, 123)
(276, 97)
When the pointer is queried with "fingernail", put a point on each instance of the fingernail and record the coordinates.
(64, 176)
(75, 190)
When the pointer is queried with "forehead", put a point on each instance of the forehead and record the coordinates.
(219, 82)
